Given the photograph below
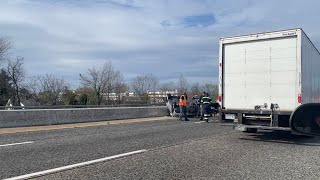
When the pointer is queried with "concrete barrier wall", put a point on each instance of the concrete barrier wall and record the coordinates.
(34, 117)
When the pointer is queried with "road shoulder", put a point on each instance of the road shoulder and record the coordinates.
(78, 125)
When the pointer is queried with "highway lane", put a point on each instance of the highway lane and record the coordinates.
(56, 148)
(174, 150)
(229, 156)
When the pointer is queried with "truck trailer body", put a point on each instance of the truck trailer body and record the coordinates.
(264, 77)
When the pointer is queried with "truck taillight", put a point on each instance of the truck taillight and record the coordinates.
(220, 64)
(299, 98)
(220, 98)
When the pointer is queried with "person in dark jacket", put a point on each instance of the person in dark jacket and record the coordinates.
(195, 105)
(206, 107)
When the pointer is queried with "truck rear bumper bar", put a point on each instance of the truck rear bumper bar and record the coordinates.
(262, 112)
(242, 127)
(250, 120)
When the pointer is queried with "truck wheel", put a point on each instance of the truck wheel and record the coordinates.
(250, 130)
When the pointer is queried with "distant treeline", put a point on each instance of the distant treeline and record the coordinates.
(104, 85)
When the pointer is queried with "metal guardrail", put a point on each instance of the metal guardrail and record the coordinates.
(77, 106)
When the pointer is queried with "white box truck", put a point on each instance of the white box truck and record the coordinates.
(264, 77)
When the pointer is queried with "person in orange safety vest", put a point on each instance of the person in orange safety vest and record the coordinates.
(183, 107)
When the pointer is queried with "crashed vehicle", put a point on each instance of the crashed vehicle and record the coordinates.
(174, 109)
(192, 107)
(173, 105)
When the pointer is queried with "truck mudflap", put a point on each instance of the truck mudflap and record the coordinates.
(244, 128)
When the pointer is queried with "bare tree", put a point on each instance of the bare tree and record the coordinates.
(110, 77)
(167, 87)
(94, 80)
(52, 87)
(5, 46)
(154, 85)
(140, 85)
(212, 89)
(101, 80)
(182, 85)
(119, 86)
(16, 74)
(195, 89)
(144, 83)
(33, 86)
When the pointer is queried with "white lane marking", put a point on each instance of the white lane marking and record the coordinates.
(64, 168)
(14, 144)
(199, 122)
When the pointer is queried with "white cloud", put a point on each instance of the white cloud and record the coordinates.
(67, 37)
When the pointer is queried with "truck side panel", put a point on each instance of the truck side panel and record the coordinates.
(310, 71)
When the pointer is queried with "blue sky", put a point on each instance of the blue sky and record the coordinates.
(163, 37)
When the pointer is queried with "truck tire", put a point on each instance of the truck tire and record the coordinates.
(250, 130)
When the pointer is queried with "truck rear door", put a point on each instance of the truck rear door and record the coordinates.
(258, 72)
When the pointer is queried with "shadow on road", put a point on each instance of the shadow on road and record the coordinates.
(282, 137)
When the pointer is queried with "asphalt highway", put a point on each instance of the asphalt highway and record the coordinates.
(166, 149)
